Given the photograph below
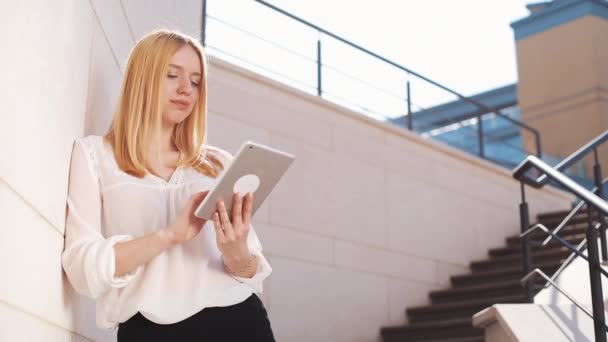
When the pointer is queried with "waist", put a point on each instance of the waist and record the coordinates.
(251, 305)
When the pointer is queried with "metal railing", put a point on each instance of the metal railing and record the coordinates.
(592, 201)
(553, 235)
(543, 179)
(480, 111)
(550, 281)
(575, 157)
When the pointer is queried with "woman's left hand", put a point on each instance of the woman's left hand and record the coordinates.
(232, 233)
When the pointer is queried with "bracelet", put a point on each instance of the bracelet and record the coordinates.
(253, 257)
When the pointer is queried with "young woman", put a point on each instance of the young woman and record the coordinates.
(132, 242)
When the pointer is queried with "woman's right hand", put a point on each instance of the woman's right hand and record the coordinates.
(187, 225)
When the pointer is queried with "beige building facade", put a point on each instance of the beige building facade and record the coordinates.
(562, 57)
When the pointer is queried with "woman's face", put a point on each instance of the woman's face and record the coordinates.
(182, 85)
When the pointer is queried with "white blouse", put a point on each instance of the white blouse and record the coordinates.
(107, 206)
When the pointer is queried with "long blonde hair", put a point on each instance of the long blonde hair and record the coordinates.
(138, 118)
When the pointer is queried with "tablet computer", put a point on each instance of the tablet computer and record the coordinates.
(255, 168)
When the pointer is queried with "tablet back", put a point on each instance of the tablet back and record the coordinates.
(255, 168)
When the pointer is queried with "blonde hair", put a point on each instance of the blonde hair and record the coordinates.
(138, 118)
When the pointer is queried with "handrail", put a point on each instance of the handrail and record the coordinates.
(573, 212)
(560, 178)
(565, 243)
(564, 222)
(581, 152)
(394, 64)
(409, 72)
(580, 247)
(536, 271)
(592, 200)
(398, 66)
(570, 160)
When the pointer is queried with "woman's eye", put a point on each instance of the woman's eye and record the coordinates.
(194, 84)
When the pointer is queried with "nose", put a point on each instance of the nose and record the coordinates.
(185, 87)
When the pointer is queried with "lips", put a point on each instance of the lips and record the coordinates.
(181, 103)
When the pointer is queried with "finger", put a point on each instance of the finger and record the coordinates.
(200, 221)
(203, 194)
(237, 209)
(225, 220)
(200, 195)
(247, 209)
(197, 198)
(218, 226)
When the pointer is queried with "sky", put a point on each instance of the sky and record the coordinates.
(466, 45)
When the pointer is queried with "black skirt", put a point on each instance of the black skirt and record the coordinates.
(246, 321)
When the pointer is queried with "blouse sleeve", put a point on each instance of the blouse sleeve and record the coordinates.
(88, 257)
(264, 269)
(253, 242)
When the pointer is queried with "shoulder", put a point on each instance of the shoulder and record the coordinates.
(90, 142)
(86, 152)
(91, 138)
(91, 145)
(223, 155)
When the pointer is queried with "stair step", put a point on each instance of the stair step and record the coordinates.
(577, 219)
(489, 290)
(516, 248)
(516, 260)
(540, 236)
(572, 239)
(492, 281)
(505, 274)
(460, 328)
(515, 251)
(559, 215)
(546, 251)
(457, 310)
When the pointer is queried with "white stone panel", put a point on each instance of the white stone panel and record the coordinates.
(45, 96)
(320, 303)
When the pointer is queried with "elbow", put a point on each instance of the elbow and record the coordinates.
(75, 272)
(90, 268)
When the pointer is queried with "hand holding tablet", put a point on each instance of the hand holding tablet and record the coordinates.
(255, 168)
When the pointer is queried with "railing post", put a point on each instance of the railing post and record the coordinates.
(410, 123)
(597, 176)
(204, 23)
(319, 88)
(480, 136)
(539, 151)
(595, 279)
(524, 216)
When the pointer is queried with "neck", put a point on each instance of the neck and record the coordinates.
(165, 144)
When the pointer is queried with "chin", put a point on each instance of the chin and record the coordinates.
(177, 117)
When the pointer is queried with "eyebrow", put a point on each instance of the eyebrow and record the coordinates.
(180, 68)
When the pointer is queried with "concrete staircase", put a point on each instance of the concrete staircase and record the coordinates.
(491, 281)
